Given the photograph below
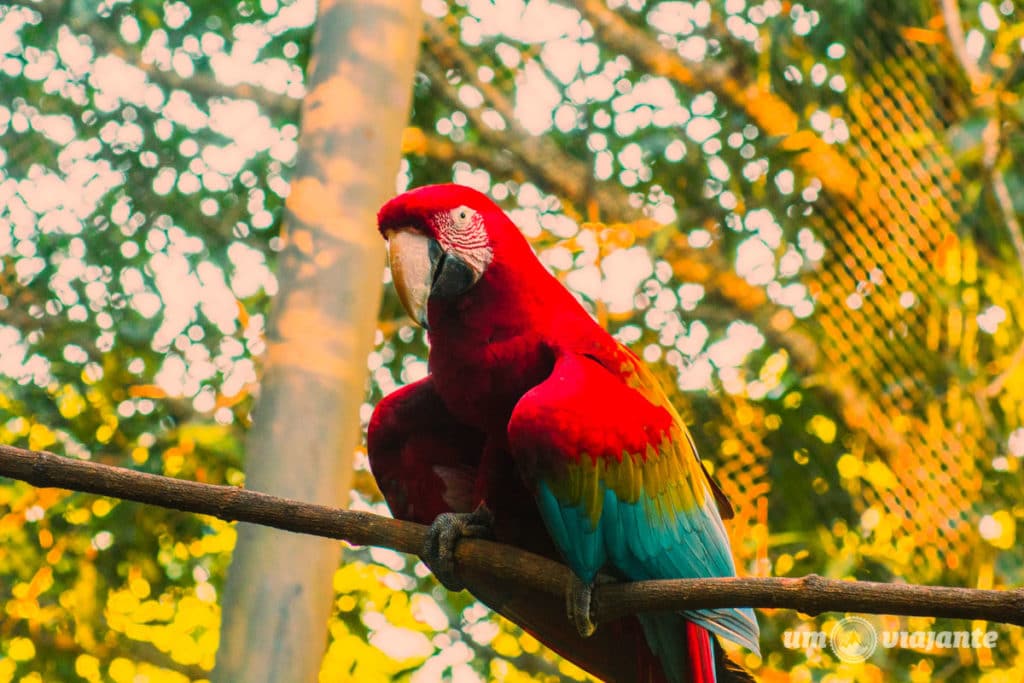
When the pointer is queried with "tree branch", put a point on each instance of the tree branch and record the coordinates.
(810, 594)
(547, 164)
(958, 43)
(770, 112)
(200, 85)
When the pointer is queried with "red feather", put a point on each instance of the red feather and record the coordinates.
(494, 343)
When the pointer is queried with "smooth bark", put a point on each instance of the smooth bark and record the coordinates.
(306, 426)
(510, 567)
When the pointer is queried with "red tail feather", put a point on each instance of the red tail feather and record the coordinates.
(698, 645)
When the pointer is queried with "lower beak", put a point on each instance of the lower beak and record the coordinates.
(413, 258)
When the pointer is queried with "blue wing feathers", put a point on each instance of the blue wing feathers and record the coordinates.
(649, 515)
(642, 550)
(569, 526)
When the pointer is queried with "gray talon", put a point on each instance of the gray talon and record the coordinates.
(577, 604)
(444, 535)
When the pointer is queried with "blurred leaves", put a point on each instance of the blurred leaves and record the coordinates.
(785, 208)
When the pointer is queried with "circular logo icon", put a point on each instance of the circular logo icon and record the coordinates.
(853, 639)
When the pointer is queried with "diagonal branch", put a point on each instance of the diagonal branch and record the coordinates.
(554, 171)
(547, 164)
(200, 85)
(957, 41)
(769, 111)
(547, 579)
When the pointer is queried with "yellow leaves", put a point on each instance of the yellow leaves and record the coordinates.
(70, 403)
(506, 645)
(153, 610)
(351, 659)
(40, 583)
(40, 437)
(921, 672)
(691, 270)
(773, 369)
(849, 466)
(800, 140)
(104, 433)
(222, 540)
(185, 650)
(202, 434)
(947, 258)
(414, 141)
(823, 428)
(529, 644)
(738, 290)
(181, 551)
(506, 673)
(567, 668)
(77, 515)
(364, 580)
(880, 476)
(771, 112)
(174, 460)
(243, 314)
(25, 604)
(101, 507)
(121, 602)
(139, 587)
(194, 613)
(88, 667)
(21, 649)
(151, 391)
(999, 529)
(923, 35)
(398, 612)
(730, 447)
(186, 629)
(122, 670)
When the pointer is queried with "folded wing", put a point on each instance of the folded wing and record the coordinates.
(619, 483)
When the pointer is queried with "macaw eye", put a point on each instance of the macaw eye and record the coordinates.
(462, 216)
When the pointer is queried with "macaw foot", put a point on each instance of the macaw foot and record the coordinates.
(444, 534)
(577, 604)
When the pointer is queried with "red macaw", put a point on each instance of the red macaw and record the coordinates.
(536, 426)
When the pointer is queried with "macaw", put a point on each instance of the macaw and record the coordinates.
(536, 427)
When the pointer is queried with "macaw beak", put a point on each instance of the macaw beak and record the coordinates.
(422, 271)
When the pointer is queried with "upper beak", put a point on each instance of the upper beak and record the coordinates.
(413, 258)
(422, 270)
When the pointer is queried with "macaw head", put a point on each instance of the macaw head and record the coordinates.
(441, 240)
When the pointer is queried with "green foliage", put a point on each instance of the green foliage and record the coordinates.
(852, 370)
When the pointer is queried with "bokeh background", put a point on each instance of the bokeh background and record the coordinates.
(805, 216)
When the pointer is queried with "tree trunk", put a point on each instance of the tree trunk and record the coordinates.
(278, 595)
